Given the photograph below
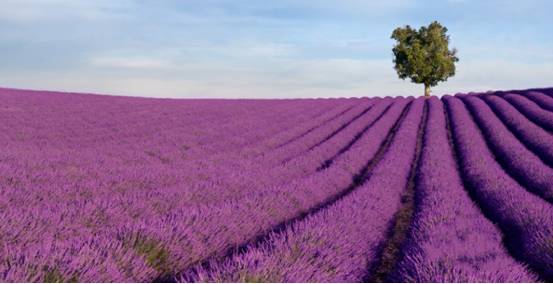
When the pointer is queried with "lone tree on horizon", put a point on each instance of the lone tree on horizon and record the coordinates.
(424, 55)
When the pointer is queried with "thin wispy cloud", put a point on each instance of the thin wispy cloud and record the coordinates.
(261, 49)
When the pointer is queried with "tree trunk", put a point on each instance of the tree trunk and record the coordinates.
(426, 91)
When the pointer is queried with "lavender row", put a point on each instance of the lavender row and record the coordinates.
(280, 203)
(88, 181)
(279, 124)
(246, 161)
(534, 112)
(340, 242)
(269, 171)
(449, 239)
(534, 137)
(251, 109)
(237, 172)
(155, 224)
(547, 91)
(313, 125)
(128, 116)
(347, 138)
(519, 162)
(525, 219)
(216, 169)
(541, 99)
(294, 127)
(233, 165)
(256, 175)
(300, 146)
(176, 163)
(273, 171)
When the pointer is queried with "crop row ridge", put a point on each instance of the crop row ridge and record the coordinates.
(519, 136)
(357, 180)
(328, 162)
(313, 128)
(390, 251)
(509, 242)
(335, 132)
(508, 169)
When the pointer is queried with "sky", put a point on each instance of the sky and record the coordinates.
(264, 49)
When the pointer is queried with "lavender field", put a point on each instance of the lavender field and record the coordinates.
(104, 188)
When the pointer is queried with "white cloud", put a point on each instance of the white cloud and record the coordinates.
(23, 11)
(130, 62)
(271, 50)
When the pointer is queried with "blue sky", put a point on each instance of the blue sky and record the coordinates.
(264, 49)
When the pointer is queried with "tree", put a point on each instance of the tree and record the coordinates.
(424, 55)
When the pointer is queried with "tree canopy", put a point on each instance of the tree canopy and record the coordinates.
(424, 55)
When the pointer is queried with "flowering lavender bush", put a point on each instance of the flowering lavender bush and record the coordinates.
(541, 99)
(525, 219)
(519, 161)
(533, 136)
(533, 111)
(450, 240)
